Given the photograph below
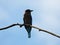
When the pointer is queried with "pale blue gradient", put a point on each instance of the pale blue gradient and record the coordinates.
(46, 15)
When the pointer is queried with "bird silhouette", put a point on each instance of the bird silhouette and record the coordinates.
(28, 20)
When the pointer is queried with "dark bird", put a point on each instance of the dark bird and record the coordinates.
(28, 20)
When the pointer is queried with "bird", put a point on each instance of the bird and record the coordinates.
(28, 20)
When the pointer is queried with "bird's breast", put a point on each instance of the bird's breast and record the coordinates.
(27, 19)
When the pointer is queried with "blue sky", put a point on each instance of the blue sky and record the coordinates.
(46, 15)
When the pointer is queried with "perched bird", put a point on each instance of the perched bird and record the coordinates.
(28, 20)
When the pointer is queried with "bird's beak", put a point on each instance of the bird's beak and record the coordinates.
(31, 10)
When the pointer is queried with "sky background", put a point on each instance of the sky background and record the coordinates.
(46, 15)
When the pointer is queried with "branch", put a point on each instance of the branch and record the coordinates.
(32, 27)
(9, 26)
(43, 30)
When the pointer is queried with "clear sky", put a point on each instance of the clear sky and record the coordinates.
(46, 15)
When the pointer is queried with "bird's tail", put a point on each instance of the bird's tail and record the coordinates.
(29, 35)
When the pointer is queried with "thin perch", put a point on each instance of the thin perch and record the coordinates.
(32, 27)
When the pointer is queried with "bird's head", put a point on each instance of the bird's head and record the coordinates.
(28, 10)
